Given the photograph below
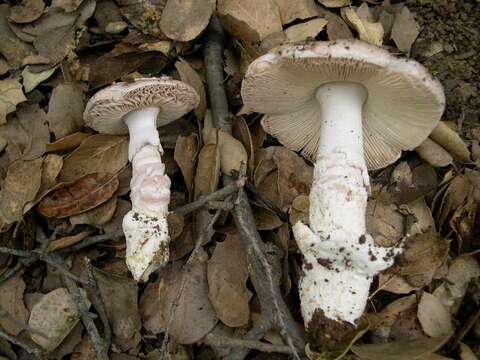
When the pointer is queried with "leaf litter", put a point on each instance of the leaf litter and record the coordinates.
(73, 184)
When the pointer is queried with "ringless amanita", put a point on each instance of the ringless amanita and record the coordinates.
(137, 108)
(347, 106)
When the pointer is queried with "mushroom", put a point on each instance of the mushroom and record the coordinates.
(348, 106)
(137, 108)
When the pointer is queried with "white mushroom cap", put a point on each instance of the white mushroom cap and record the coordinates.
(105, 110)
(404, 102)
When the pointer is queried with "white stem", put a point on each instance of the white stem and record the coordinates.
(340, 259)
(142, 128)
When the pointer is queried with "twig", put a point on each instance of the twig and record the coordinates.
(272, 303)
(15, 252)
(92, 240)
(185, 269)
(214, 196)
(28, 346)
(225, 341)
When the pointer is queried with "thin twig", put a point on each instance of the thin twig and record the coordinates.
(225, 341)
(28, 346)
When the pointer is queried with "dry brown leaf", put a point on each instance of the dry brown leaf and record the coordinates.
(451, 141)
(69, 343)
(250, 20)
(19, 187)
(97, 153)
(67, 143)
(296, 9)
(80, 196)
(66, 241)
(28, 11)
(384, 222)
(232, 152)
(400, 350)
(67, 5)
(11, 95)
(148, 307)
(368, 31)
(404, 30)
(55, 315)
(11, 47)
(115, 224)
(28, 134)
(194, 316)
(300, 210)
(185, 151)
(52, 165)
(108, 17)
(191, 77)
(227, 276)
(98, 216)
(384, 320)
(32, 79)
(208, 170)
(461, 272)
(334, 3)
(265, 219)
(120, 297)
(466, 353)
(309, 29)
(13, 314)
(433, 153)
(144, 15)
(184, 20)
(423, 218)
(395, 284)
(65, 109)
(434, 316)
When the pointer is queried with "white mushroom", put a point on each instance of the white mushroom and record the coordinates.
(346, 105)
(138, 108)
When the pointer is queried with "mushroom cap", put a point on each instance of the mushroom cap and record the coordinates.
(105, 110)
(404, 102)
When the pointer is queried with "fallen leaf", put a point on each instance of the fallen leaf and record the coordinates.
(80, 196)
(144, 15)
(115, 224)
(190, 76)
(67, 143)
(184, 20)
(433, 153)
(384, 320)
(32, 79)
(11, 95)
(51, 167)
(299, 211)
(395, 284)
(384, 223)
(65, 109)
(309, 29)
(434, 316)
(185, 151)
(227, 274)
(4, 66)
(55, 315)
(97, 153)
(404, 30)
(148, 307)
(67, 5)
(336, 27)
(296, 9)
(67, 241)
(119, 295)
(265, 219)
(400, 350)
(19, 187)
(28, 11)
(466, 353)
(69, 343)
(451, 141)
(98, 216)
(368, 31)
(334, 3)
(108, 17)
(207, 175)
(13, 314)
(11, 47)
(232, 152)
(250, 20)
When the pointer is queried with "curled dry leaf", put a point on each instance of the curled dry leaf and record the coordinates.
(19, 188)
(291, 10)
(80, 196)
(66, 241)
(400, 350)
(450, 140)
(208, 170)
(334, 3)
(185, 150)
(32, 79)
(227, 276)
(336, 27)
(120, 295)
(191, 77)
(54, 315)
(309, 29)
(433, 153)
(371, 32)
(98, 216)
(184, 20)
(13, 314)
(404, 30)
(11, 95)
(28, 11)
(434, 316)
(250, 20)
(98, 153)
(65, 109)
(67, 5)
(68, 142)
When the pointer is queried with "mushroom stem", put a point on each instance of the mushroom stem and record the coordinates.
(340, 259)
(142, 127)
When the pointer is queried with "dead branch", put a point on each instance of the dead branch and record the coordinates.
(272, 303)
(28, 346)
